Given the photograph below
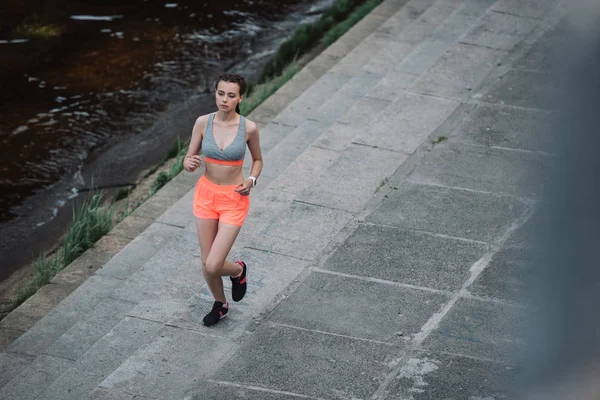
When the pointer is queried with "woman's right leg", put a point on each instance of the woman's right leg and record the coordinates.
(207, 231)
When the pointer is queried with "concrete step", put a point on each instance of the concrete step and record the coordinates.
(414, 116)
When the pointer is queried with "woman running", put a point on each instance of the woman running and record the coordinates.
(221, 198)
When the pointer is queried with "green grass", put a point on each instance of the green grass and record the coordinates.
(261, 92)
(164, 177)
(174, 151)
(439, 140)
(38, 30)
(161, 180)
(123, 193)
(381, 184)
(90, 222)
(44, 269)
(36, 26)
(25, 292)
(330, 26)
(359, 13)
(129, 208)
(177, 167)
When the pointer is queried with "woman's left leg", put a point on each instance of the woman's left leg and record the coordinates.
(207, 232)
(216, 267)
(216, 263)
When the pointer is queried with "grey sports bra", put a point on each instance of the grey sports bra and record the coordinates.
(233, 154)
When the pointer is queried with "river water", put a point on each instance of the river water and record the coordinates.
(98, 90)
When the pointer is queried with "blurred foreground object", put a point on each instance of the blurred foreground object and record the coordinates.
(565, 359)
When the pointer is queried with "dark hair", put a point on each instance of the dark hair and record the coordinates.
(233, 78)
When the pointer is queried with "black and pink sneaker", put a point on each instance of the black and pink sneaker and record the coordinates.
(218, 312)
(238, 284)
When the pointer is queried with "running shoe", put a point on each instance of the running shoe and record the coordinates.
(238, 284)
(218, 312)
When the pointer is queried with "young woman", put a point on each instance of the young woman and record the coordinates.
(221, 198)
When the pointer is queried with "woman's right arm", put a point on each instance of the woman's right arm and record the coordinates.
(192, 159)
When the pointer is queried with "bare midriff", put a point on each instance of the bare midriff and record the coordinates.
(224, 174)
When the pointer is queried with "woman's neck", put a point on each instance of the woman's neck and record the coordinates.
(228, 116)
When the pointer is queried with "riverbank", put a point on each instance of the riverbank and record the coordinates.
(109, 108)
(14, 290)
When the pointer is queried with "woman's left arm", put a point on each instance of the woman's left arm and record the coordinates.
(257, 162)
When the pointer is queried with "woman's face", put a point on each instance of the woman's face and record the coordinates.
(228, 95)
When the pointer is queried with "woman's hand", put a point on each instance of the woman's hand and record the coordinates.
(244, 189)
(191, 163)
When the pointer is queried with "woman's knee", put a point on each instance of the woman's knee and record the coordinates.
(212, 267)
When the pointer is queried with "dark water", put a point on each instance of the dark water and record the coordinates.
(100, 89)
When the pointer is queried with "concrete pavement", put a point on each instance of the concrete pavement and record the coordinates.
(385, 243)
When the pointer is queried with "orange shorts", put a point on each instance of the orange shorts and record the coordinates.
(212, 201)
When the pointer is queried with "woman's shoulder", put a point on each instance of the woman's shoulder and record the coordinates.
(203, 118)
(201, 123)
(251, 126)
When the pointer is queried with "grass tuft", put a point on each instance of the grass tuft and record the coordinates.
(381, 184)
(34, 27)
(439, 140)
(121, 194)
(25, 292)
(174, 151)
(127, 211)
(263, 91)
(39, 31)
(164, 177)
(177, 167)
(359, 13)
(161, 180)
(343, 14)
(90, 222)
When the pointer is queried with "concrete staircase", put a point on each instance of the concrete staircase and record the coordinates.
(356, 114)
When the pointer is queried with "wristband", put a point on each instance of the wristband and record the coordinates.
(253, 180)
